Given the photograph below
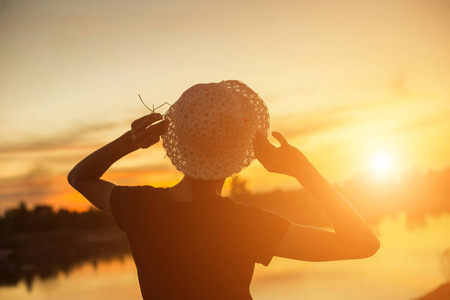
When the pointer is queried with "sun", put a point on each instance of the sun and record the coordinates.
(382, 165)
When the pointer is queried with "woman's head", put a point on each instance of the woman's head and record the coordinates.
(211, 128)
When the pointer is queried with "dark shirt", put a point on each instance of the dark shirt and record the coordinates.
(204, 249)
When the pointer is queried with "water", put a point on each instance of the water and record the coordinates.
(406, 267)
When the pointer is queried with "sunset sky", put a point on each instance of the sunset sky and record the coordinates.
(361, 87)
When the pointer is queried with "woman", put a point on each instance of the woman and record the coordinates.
(187, 241)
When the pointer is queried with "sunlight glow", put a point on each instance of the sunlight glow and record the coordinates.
(382, 165)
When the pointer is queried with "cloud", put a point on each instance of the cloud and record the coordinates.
(445, 4)
(4, 5)
(37, 186)
(421, 123)
(302, 125)
(399, 85)
(338, 117)
(59, 140)
(280, 277)
(41, 185)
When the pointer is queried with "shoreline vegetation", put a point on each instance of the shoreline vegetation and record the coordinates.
(41, 242)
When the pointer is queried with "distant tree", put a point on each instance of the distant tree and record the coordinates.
(23, 207)
(239, 191)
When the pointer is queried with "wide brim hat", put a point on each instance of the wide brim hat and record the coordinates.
(212, 127)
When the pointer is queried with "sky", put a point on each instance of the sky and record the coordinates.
(360, 87)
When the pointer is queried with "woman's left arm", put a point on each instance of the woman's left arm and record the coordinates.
(85, 176)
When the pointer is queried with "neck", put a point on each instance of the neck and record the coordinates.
(189, 189)
(204, 187)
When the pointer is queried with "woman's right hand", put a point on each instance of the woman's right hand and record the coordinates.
(144, 134)
(285, 159)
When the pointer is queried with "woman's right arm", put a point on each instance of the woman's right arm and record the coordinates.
(351, 236)
(85, 177)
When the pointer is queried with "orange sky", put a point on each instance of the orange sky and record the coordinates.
(350, 83)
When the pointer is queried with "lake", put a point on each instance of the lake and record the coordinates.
(408, 265)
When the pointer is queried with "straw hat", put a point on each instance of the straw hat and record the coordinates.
(211, 128)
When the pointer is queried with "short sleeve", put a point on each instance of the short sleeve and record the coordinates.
(264, 231)
(119, 206)
(125, 201)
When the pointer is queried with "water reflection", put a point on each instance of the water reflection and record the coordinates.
(29, 264)
(41, 243)
(408, 266)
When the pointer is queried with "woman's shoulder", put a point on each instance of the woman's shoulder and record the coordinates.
(138, 191)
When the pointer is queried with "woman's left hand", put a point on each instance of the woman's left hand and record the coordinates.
(144, 134)
(285, 159)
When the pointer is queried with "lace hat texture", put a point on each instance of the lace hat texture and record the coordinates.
(211, 128)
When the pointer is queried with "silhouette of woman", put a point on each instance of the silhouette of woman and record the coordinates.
(189, 242)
